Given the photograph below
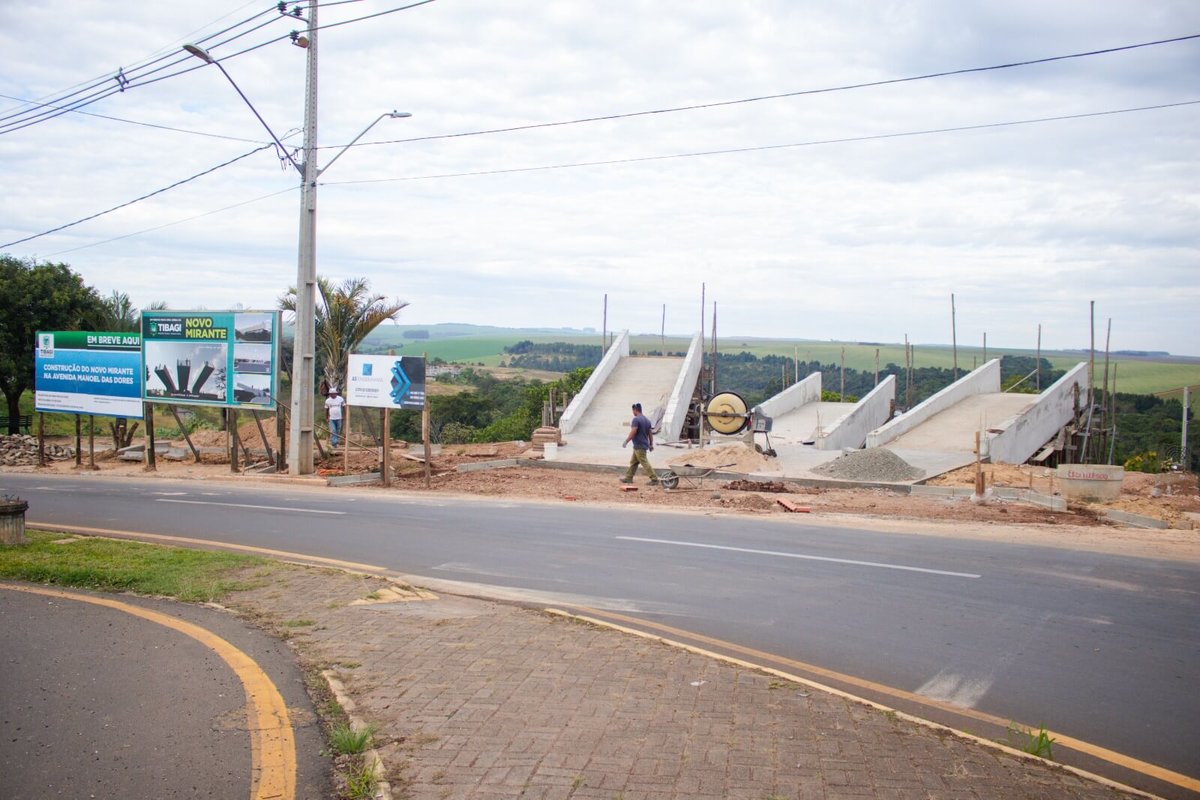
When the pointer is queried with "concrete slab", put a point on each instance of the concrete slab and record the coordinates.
(597, 436)
(953, 430)
(807, 422)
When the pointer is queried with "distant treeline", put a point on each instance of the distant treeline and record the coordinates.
(758, 378)
(552, 356)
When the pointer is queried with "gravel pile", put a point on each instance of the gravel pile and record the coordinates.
(22, 451)
(872, 464)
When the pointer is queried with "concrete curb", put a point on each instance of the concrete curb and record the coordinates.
(1046, 501)
(383, 789)
(1136, 520)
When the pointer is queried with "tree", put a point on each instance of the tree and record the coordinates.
(346, 314)
(118, 313)
(35, 297)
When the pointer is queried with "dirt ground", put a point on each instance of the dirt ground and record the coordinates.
(1168, 496)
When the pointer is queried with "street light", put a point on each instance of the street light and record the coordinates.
(300, 440)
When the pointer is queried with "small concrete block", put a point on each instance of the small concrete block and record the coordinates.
(629, 488)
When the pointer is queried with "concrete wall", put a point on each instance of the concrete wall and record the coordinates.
(985, 380)
(798, 394)
(581, 401)
(1025, 434)
(681, 395)
(867, 415)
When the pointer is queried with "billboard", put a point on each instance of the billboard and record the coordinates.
(215, 358)
(88, 372)
(386, 381)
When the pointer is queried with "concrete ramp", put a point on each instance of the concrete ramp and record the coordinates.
(940, 434)
(954, 429)
(597, 420)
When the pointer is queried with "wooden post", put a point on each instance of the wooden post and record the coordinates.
(345, 439)
(263, 434)
(281, 431)
(979, 487)
(714, 349)
(78, 441)
(232, 423)
(387, 447)
(91, 442)
(41, 438)
(186, 437)
(151, 456)
(843, 397)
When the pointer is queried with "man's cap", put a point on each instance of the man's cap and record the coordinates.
(333, 390)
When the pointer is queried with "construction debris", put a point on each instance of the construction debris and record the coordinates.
(20, 450)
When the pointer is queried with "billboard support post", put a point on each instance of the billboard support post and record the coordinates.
(151, 454)
(387, 448)
(233, 440)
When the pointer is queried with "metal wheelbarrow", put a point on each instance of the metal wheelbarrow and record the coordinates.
(692, 477)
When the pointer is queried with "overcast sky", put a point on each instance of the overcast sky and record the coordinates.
(835, 215)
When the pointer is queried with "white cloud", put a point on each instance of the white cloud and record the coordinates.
(859, 240)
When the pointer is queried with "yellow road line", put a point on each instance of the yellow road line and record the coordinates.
(272, 743)
(1104, 754)
(183, 540)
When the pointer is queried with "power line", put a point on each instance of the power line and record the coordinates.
(139, 199)
(123, 77)
(609, 162)
(138, 76)
(800, 93)
(178, 221)
(762, 148)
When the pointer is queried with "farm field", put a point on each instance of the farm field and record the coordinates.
(468, 344)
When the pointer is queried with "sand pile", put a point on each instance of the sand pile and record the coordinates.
(737, 457)
(872, 464)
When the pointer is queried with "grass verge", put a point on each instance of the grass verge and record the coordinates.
(111, 565)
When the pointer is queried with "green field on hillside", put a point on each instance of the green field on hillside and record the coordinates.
(471, 344)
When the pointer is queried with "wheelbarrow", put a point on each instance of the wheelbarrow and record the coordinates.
(692, 477)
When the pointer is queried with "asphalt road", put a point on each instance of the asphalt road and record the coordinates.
(1101, 648)
(100, 702)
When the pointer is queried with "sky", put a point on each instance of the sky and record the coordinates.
(656, 162)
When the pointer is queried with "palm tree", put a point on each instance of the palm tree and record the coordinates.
(118, 313)
(346, 314)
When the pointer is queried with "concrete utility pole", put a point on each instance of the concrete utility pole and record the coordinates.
(300, 440)
(1183, 442)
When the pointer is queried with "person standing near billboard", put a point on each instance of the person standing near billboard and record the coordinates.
(334, 404)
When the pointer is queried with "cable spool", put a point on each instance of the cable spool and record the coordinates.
(727, 413)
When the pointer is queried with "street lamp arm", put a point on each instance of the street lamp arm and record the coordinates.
(381, 117)
(204, 56)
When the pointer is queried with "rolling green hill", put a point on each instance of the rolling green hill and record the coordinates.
(485, 345)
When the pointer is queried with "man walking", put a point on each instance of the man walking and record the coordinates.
(641, 433)
(333, 415)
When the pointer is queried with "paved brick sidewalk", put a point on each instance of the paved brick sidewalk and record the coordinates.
(476, 699)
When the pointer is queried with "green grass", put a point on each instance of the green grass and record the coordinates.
(346, 741)
(113, 566)
(1037, 743)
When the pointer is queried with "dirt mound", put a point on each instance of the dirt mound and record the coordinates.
(729, 457)
(756, 486)
(872, 464)
(749, 502)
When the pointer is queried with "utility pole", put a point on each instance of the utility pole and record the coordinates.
(954, 335)
(1184, 457)
(300, 442)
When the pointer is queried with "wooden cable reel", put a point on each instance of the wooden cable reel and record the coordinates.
(727, 413)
